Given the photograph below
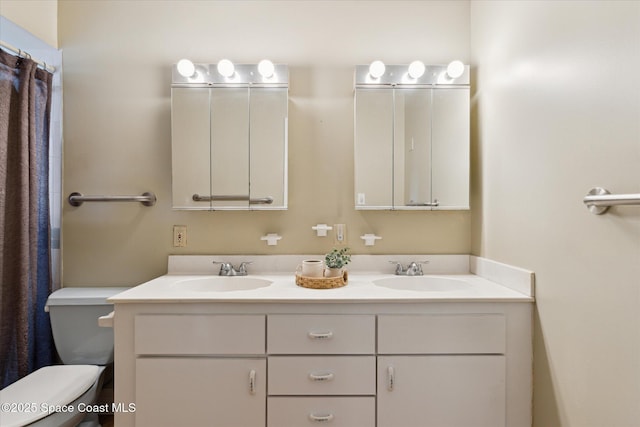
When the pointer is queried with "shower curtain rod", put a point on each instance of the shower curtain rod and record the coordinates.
(24, 54)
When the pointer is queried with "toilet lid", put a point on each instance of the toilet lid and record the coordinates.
(30, 398)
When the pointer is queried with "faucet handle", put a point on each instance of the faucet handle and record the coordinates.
(421, 263)
(399, 268)
(416, 267)
(242, 268)
(225, 267)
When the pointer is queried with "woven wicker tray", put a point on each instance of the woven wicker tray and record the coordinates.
(322, 282)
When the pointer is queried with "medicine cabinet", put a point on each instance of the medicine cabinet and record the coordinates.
(229, 138)
(412, 139)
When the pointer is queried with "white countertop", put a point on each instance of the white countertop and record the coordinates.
(487, 280)
(360, 288)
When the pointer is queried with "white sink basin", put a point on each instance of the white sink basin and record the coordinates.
(423, 283)
(221, 284)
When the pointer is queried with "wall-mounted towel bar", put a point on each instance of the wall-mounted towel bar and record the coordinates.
(231, 198)
(147, 199)
(598, 200)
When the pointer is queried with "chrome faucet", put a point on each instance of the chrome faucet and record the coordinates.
(227, 269)
(412, 269)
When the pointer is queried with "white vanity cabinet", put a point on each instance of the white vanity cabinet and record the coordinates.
(296, 364)
(441, 370)
(200, 369)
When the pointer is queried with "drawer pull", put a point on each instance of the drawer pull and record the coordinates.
(321, 418)
(252, 382)
(320, 335)
(391, 378)
(321, 377)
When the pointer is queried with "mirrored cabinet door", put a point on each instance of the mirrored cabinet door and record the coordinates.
(229, 147)
(412, 152)
(450, 148)
(374, 150)
(268, 148)
(190, 145)
(412, 148)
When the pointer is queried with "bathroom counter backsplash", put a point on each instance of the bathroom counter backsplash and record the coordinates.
(273, 280)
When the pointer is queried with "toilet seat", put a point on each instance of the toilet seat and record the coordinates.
(51, 386)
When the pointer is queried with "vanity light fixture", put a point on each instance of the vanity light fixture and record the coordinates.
(226, 68)
(186, 68)
(455, 69)
(262, 74)
(416, 69)
(266, 68)
(376, 69)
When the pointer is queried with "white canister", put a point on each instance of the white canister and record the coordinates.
(313, 268)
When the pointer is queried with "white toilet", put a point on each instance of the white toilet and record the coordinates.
(62, 395)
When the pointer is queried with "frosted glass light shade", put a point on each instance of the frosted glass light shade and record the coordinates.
(416, 69)
(376, 69)
(455, 69)
(226, 68)
(186, 68)
(266, 68)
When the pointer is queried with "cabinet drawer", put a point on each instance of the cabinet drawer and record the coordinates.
(323, 334)
(442, 334)
(199, 334)
(313, 411)
(324, 375)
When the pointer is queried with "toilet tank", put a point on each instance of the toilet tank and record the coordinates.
(74, 316)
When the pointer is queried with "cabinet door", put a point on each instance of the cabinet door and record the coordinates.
(190, 146)
(450, 148)
(441, 391)
(230, 147)
(200, 392)
(374, 148)
(268, 108)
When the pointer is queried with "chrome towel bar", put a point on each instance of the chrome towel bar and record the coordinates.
(598, 200)
(231, 198)
(147, 199)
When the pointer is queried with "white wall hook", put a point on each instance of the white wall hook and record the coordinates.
(271, 238)
(370, 239)
(322, 229)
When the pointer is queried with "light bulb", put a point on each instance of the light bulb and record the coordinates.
(186, 68)
(376, 69)
(266, 68)
(226, 68)
(455, 69)
(416, 69)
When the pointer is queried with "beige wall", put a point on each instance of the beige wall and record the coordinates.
(557, 111)
(39, 17)
(117, 61)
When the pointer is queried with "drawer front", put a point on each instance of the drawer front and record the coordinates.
(199, 334)
(314, 411)
(323, 375)
(442, 334)
(321, 334)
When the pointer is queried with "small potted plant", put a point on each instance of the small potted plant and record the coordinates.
(335, 262)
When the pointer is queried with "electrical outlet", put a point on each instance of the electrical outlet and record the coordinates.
(179, 236)
(340, 233)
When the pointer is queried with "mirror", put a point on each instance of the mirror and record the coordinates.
(411, 140)
(229, 141)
